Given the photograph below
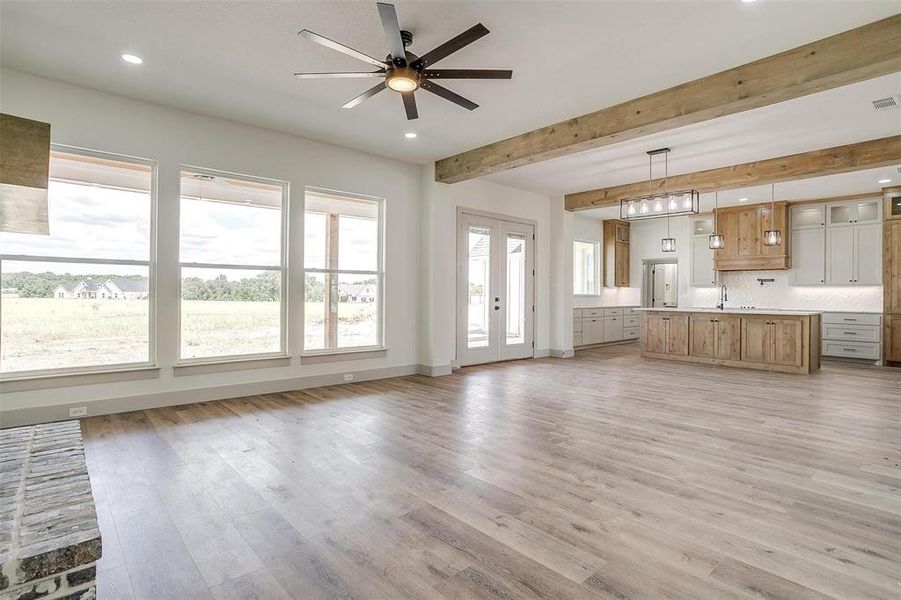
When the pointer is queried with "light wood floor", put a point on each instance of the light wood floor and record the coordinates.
(605, 476)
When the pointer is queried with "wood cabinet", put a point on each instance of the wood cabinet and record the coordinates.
(743, 228)
(715, 337)
(666, 334)
(771, 340)
(617, 236)
(789, 343)
(891, 276)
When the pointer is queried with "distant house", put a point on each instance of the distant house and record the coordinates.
(114, 288)
(357, 292)
(64, 290)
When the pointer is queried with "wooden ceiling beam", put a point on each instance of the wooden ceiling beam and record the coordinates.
(816, 163)
(857, 55)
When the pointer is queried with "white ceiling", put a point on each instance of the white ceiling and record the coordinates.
(234, 60)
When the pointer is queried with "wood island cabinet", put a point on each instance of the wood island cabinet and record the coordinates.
(715, 337)
(777, 342)
(891, 276)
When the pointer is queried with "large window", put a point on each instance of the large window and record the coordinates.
(343, 273)
(232, 266)
(79, 299)
(586, 271)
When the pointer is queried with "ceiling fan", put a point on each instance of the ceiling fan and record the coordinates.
(403, 71)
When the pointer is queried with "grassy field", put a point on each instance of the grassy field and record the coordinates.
(46, 333)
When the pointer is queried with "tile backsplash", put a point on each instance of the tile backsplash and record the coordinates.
(745, 290)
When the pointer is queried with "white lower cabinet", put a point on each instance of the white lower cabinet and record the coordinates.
(852, 335)
(600, 325)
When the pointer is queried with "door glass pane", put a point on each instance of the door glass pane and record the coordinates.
(479, 292)
(840, 214)
(868, 211)
(516, 288)
(896, 206)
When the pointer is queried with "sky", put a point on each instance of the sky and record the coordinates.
(101, 223)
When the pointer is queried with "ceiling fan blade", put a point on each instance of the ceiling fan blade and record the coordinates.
(431, 86)
(367, 94)
(392, 31)
(449, 47)
(410, 106)
(321, 39)
(339, 75)
(468, 74)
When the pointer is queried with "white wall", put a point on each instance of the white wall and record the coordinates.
(743, 287)
(438, 270)
(420, 242)
(90, 119)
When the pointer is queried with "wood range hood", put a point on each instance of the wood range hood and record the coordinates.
(24, 175)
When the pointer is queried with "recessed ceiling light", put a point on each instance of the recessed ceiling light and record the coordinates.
(742, 199)
(748, 1)
(411, 135)
(132, 58)
(885, 181)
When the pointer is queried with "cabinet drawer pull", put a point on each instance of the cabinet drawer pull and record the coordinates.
(850, 332)
(846, 319)
(849, 349)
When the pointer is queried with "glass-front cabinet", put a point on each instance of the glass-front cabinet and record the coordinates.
(808, 216)
(867, 210)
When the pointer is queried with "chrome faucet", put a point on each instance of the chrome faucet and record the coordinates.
(724, 295)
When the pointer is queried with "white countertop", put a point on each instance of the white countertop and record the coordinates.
(608, 306)
(739, 311)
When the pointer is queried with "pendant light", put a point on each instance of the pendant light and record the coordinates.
(716, 241)
(667, 244)
(772, 236)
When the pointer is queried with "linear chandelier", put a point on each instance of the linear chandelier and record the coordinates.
(661, 204)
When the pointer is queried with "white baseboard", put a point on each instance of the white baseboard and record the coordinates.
(434, 371)
(557, 353)
(542, 352)
(60, 412)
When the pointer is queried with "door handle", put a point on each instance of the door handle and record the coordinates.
(497, 308)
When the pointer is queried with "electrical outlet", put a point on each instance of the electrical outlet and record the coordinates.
(78, 411)
(348, 377)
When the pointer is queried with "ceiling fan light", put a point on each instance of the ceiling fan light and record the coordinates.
(402, 80)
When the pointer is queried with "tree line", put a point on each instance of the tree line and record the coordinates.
(263, 287)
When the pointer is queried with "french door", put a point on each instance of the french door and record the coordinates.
(495, 287)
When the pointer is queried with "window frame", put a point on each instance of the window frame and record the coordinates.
(596, 267)
(150, 263)
(380, 275)
(282, 269)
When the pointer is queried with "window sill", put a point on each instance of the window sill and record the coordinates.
(316, 357)
(230, 364)
(25, 383)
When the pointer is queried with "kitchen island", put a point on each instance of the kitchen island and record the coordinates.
(771, 340)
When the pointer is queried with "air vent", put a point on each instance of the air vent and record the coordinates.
(890, 103)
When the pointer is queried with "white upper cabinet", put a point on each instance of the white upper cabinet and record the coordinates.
(868, 254)
(702, 273)
(853, 212)
(808, 217)
(840, 256)
(809, 256)
(854, 255)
